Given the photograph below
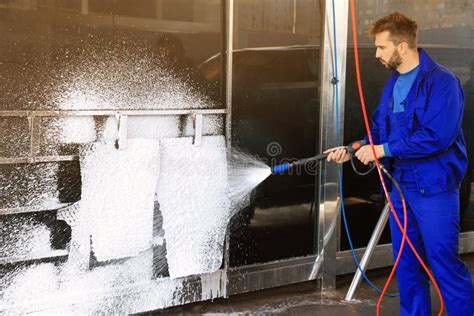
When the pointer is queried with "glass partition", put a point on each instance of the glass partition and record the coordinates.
(276, 76)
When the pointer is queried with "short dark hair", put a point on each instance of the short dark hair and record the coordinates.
(400, 27)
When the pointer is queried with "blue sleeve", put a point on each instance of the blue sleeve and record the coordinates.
(439, 124)
(374, 128)
(386, 150)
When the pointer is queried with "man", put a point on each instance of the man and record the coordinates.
(417, 128)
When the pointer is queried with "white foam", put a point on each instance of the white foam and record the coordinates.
(76, 129)
(193, 191)
(129, 79)
(24, 237)
(154, 127)
(109, 131)
(117, 196)
(29, 285)
(34, 185)
(120, 288)
(192, 195)
(212, 125)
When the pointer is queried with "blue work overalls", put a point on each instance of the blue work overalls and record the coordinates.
(428, 161)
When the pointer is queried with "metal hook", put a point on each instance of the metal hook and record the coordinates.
(122, 125)
(197, 123)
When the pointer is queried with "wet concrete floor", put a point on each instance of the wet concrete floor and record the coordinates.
(305, 299)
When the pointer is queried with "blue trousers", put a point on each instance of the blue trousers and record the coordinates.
(433, 228)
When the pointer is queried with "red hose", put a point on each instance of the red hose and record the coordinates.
(377, 163)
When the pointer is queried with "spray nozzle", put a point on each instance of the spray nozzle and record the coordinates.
(280, 168)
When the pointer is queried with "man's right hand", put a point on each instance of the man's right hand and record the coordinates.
(338, 154)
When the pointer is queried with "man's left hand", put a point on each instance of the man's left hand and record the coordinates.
(365, 154)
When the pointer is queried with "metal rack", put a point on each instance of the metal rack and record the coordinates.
(34, 129)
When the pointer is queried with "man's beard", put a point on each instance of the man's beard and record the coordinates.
(394, 61)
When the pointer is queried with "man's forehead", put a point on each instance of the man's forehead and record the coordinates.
(382, 35)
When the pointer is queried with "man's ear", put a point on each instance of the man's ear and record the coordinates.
(403, 48)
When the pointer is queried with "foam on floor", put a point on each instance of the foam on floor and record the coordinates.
(117, 197)
(193, 200)
(122, 288)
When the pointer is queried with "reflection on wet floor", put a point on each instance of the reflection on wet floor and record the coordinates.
(305, 299)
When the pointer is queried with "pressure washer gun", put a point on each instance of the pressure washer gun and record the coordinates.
(351, 149)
